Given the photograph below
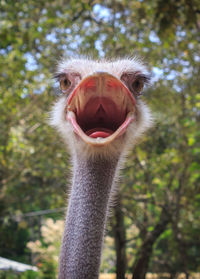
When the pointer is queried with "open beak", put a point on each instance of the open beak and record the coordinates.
(100, 109)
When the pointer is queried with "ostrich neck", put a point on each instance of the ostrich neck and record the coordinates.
(86, 218)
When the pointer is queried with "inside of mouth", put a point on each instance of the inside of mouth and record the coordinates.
(100, 117)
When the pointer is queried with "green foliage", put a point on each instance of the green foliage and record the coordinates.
(29, 274)
(163, 172)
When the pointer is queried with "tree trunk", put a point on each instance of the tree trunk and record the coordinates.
(120, 241)
(141, 266)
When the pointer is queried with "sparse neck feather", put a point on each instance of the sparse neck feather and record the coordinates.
(80, 256)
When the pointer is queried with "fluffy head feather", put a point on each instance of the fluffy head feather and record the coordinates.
(121, 145)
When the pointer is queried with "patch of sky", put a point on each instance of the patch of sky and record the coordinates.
(74, 45)
(25, 93)
(197, 58)
(21, 14)
(172, 75)
(127, 12)
(39, 78)
(98, 46)
(177, 87)
(187, 70)
(6, 50)
(52, 38)
(44, 11)
(9, 48)
(166, 61)
(86, 24)
(175, 60)
(38, 55)
(154, 38)
(180, 33)
(101, 12)
(2, 51)
(39, 90)
(139, 39)
(122, 29)
(26, 82)
(190, 45)
(58, 13)
(22, 72)
(185, 63)
(157, 74)
(64, 47)
(117, 15)
(56, 84)
(31, 63)
(68, 30)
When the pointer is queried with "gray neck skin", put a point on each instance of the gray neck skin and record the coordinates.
(86, 218)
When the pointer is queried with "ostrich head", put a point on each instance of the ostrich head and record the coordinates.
(100, 111)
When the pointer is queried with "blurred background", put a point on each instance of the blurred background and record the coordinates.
(154, 230)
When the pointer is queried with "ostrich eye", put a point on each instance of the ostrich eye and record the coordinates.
(137, 86)
(65, 84)
(135, 82)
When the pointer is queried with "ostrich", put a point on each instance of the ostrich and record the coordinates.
(100, 116)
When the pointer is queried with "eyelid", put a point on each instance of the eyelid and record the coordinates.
(136, 75)
(69, 75)
(58, 77)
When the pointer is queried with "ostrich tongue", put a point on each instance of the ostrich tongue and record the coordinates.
(99, 133)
